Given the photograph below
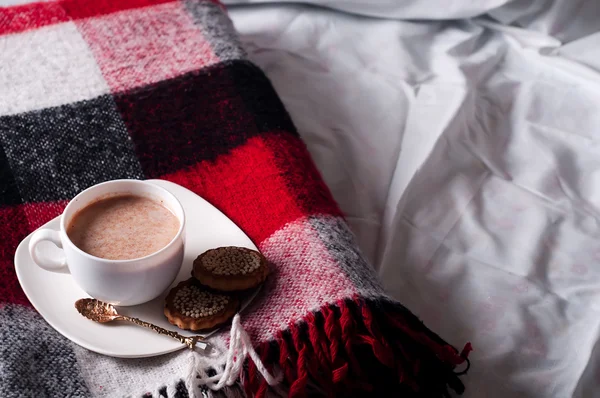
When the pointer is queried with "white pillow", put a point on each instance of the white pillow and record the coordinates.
(400, 9)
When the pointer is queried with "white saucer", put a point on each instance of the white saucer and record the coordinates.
(53, 295)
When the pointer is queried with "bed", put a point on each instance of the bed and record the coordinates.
(462, 143)
(465, 154)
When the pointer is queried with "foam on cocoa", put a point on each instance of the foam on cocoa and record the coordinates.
(123, 227)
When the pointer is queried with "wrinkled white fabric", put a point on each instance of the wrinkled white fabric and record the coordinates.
(467, 157)
(403, 9)
(563, 20)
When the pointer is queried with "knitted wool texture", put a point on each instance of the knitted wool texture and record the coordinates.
(100, 90)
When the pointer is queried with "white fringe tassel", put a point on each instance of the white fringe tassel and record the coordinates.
(240, 346)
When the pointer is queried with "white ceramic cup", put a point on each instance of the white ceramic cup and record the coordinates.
(119, 282)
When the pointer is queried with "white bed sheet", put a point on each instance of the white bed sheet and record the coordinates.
(467, 157)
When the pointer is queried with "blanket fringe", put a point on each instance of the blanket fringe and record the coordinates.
(359, 347)
(240, 349)
(355, 347)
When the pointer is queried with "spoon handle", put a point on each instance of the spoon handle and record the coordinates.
(188, 341)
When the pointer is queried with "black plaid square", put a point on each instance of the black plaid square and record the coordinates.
(9, 191)
(179, 122)
(260, 98)
(55, 153)
(199, 116)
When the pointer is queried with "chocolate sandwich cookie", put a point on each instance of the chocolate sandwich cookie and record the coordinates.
(231, 268)
(189, 306)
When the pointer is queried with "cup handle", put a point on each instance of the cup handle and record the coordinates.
(49, 263)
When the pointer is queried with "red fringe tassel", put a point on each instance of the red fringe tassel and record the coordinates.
(360, 346)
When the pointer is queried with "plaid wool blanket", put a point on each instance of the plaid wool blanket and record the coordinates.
(98, 90)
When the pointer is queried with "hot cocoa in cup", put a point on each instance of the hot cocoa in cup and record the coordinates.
(123, 227)
(122, 241)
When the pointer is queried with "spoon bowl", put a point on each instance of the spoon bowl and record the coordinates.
(96, 310)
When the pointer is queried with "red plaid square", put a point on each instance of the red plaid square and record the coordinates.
(300, 260)
(246, 186)
(14, 224)
(40, 213)
(146, 45)
(30, 16)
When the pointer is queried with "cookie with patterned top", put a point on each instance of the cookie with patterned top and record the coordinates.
(231, 268)
(190, 306)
